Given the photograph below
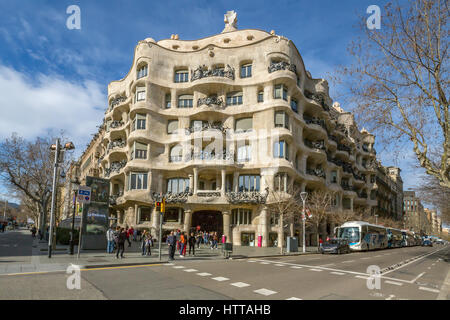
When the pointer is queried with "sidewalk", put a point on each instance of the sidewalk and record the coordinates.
(61, 258)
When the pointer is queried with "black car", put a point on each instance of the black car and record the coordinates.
(335, 246)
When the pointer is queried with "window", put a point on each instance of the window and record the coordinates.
(298, 81)
(198, 125)
(281, 182)
(294, 105)
(241, 216)
(244, 124)
(172, 215)
(333, 176)
(181, 76)
(234, 98)
(246, 71)
(176, 153)
(138, 122)
(335, 201)
(274, 219)
(140, 94)
(372, 179)
(172, 126)
(145, 214)
(281, 120)
(137, 181)
(261, 96)
(249, 183)
(177, 185)
(186, 101)
(244, 153)
(142, 72)
(280, 92)
(168, 101)
(140, 150)
(280, 150)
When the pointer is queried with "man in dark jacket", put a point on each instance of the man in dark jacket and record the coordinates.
(192, 244)
(122, 237)
(172, 242)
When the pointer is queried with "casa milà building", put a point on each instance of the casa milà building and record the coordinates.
(215, 124)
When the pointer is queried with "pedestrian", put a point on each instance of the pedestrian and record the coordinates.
(181, 244)
(110, 239)
(171, 242)
(143, 241)
(148, 244)
(320, 242)
(198, 239)
(116, 238)
(121, 243)
(128, 234)
(1, 227)
(192, 242)
(134, 235)
(215, 240)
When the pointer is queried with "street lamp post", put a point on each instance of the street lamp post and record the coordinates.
(57, 148)
(304, 195)
(376, 219)
(75, 184)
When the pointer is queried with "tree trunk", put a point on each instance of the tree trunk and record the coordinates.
(291, 229)
(318, 236)
(282, 233)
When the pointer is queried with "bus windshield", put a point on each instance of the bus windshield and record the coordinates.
(349, 233)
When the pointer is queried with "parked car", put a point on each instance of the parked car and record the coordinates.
(427, 243)
(439, 241)
(335, 246)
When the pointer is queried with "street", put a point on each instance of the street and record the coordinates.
(407, 273)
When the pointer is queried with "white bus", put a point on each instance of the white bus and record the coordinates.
(363, 236)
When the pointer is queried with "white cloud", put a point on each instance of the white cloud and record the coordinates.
(32, 107)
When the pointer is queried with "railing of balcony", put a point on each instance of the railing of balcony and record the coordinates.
(115, 166)
(314, 120)
(116, 102)
(319, 98)
(251, 197)
(203, 155)
(204, 72)
(119, 143)
(211, 101)
(343, 147)
(116, 124)
(316, 172)
(282, 65)
(207, 126)
(315, 144)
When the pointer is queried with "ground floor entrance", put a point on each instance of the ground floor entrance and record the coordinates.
(208, 220)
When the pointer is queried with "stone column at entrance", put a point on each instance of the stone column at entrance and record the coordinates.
(263, 227)
(222, 189)
(187, 220)
(195, 180)
(226, 225)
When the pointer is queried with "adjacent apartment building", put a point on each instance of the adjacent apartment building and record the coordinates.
(389, 192)
(214, 125)
(415, 217)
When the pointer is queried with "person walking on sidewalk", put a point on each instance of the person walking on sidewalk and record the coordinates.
(148, 244)
(143, 241)
(171, 242)
(198, 239)
(110, 239)
(121, 243)
(129, 235)
(192, 242)
(181, 244)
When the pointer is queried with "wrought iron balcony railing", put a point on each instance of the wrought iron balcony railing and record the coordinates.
(115, 166)
(314, 120)
(315, 144)
(170, 197)
(282, 65)
(116, 124)
(316, 172)
(203, 72)
(253, 197)
(211, 101)
(343, 147)
(207, 126)
(119, 143)
(319, 98)
(117, 101)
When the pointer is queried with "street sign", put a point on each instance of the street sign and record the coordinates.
(84, 194)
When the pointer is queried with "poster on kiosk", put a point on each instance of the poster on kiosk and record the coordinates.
(96, 215)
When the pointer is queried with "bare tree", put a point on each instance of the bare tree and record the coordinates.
(285, 205)
(341, 217)
(438, 196)
(399, 82)
(319, 203)
(26, 168)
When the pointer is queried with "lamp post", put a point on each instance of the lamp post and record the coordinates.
(376, 219)
(75, 185)
(57, 148)
(304, 195)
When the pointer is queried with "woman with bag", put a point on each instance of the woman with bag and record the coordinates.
(148, 244)
(144, 236)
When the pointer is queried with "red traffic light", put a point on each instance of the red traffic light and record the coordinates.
(158, 204)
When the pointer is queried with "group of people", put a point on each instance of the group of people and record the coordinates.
(3, 226)
(117, 239)
(179, 240)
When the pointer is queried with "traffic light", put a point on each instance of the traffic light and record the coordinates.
(158, 206)
(163, 206)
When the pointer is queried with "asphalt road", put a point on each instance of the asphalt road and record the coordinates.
(408, 273)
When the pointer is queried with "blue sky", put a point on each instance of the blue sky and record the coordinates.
(53, 78)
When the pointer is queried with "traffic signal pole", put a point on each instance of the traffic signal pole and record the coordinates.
(161, 207)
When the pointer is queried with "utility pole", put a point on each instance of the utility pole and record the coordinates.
(303, 196)
(52, 211)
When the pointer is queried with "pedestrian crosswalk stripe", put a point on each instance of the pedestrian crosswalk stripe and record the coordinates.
(178, 267)
(294, 298)
(280, 265)
(315, 269)
(240, 284)
(429, 289)
(264, 262)
(204, 274)
(362, 277)
(251, 261)
(393, 282)
(296, 267)
(220, 279)
(265, 292)
(190, 270)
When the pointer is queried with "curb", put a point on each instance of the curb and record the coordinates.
(272, 256)
(94, 266)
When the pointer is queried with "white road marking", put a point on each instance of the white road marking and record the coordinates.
(315, 270)
(220, 279)
(390, 297)
(264, 263)
(362, 277)
(190, 270)
(168, 264)
(293, 298)
(348, 261)
(204, 274)
(429, 289)
(280, 265)
(296, 267)
(251, 261)
(178, 267)
(378, 256)
(338, 273)
(365, 258)
(327, 265)
(265, 292)
(393, 282)
(240, 284)
(415, 279)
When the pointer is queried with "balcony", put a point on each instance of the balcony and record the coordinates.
(318, 98)
(211, 101)
(316, 172)
(358, 176)
(320, 145)
(333, 138)
(343, 147)
(346, 187)
(115, 166)
(208, 156)
(119, 143)
(207, 126)
(113, 198)
(116, 124)
(170, 197)
(314, 120)
(203, 72)
(116, 102)
(282, 65)
(251, 197)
